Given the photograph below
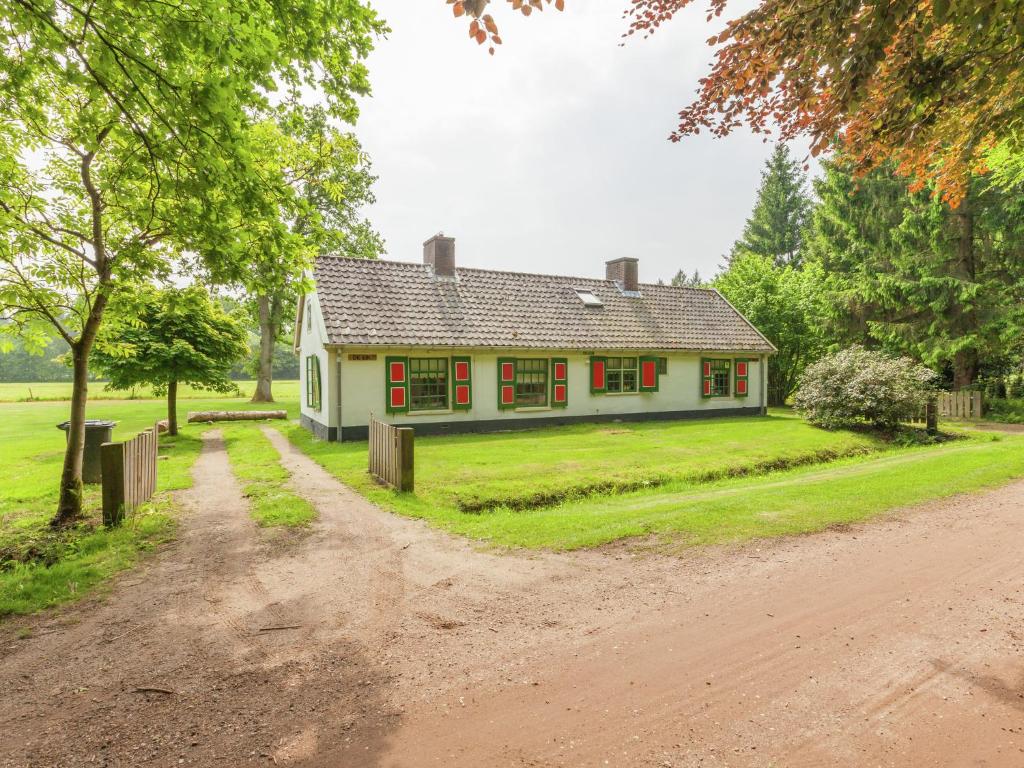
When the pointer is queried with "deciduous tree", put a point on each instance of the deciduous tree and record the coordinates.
(169, 337)
(786, 305)
(124, 141)
(927, 85)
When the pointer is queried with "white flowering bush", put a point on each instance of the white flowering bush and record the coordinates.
(857, 385)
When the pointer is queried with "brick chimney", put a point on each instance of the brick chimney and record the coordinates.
(624, 272)
(439, 252)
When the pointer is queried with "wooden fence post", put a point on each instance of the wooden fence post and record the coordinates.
(931, 416)
(406, 477)
(112, 468)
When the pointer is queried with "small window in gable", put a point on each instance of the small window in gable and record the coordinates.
(309, 315)
(588, 298)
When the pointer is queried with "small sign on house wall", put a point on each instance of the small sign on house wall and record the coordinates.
(362, 356)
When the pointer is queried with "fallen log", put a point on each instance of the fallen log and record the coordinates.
(198, 417)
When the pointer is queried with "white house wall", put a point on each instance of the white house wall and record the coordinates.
(311, 342)
(363, 387)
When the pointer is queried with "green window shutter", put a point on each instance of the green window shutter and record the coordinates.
(462, 383)
(506, 383)
(598, 375)
(741, 387)
(316, 383)
(559, 382)
(313, 382)
(396, 390)
(648, 374)
(706, 377)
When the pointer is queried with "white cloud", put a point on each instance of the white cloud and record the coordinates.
(552, 155)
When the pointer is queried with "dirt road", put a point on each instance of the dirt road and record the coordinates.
(374, 640)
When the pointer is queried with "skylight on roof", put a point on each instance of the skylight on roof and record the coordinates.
(588, 298)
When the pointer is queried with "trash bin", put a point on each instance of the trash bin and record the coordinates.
(97, 432)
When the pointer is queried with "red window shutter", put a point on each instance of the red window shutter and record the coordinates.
(741, 387)
(397, 398)
(396, 373)
(741, 368)
(506, 383)
(707, 387)
(597, 374)
(648, 374)
(707, 369)
(559, 382)
(462, 384)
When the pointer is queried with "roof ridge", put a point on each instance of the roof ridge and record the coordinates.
(604, 280)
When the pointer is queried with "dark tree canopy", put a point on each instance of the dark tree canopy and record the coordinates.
(906, 272)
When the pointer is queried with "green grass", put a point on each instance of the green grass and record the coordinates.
(522, 470)
(40, 567)
(285, 391)
(710, 481)
(258, 466)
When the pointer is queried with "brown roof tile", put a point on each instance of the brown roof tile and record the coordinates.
(396, 303)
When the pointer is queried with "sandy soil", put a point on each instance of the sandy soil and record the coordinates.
(372, 640)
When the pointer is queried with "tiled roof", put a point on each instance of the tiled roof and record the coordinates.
(396, 303)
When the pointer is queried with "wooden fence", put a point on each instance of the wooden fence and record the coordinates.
(960, 405)
(129, 474)
(391, 454)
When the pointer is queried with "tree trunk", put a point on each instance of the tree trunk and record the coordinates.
(965, 368)
(69, 505)
(965, 362)
(268, 337)
(172, 408)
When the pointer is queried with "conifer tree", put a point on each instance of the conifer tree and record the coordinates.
(775, 226)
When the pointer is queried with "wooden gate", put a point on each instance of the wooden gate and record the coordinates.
(129, 474)
(960, 405)
(391, 454)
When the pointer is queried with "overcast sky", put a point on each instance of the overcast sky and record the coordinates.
(551, 156)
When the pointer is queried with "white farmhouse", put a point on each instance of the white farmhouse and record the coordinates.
(447, 349)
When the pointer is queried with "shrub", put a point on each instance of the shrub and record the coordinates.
(858, 385)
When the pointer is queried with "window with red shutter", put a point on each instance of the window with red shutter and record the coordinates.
(559, 382)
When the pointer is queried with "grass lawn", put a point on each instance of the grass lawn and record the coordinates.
(285, 391)
(257, 465)
(524, 470)
(39, 567)
(700, 482)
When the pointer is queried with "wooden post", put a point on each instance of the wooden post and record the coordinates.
(112, 467)
(931, 416)
(406, 481)
(976, 409)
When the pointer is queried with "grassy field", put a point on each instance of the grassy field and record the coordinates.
(257, 465)
(38, 567)
(522, 470)
(285, 391)
(697, 482)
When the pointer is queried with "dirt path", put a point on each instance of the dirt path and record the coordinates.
(896, 643)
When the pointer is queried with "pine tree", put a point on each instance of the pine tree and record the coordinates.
(776, 224)
(682, 279)
(909, 273)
